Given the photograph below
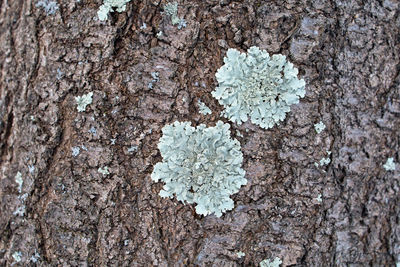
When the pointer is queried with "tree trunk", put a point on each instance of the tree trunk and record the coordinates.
(59, 209)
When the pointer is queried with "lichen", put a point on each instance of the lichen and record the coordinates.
(268, 263)
(75, 151)
(133, 148)
(144, 26)
(238, 133)
(171, 10)
(240, 254)
(319, 127)
(20, 211)
(203, 109)
(257, 85)
(34, 258)
(324, 161)
(93, 130)
(108, 5)
(31, 169)
(200, 165)
(389, 165)
(83, 101)
(155, 78)
(19, 181)
(17, 255)
(104, 171)
(49, 6)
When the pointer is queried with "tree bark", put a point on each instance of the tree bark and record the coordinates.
(67, 213)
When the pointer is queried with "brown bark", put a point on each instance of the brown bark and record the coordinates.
(348, 53)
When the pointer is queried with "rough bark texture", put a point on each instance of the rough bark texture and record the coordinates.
(348, 53)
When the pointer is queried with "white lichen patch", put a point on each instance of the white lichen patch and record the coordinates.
(31, 169)
(155, 78)
(20, 211)
(108, 5)
(132, 149)
(17, 255)
(75, 151)
(389, 165)
(200, 165)
(144, 26)
(268, 263)
(240, 254)
(203, 109)
(171, 10)
(93, 130)
(83, 101)
(23, 197)
(319, 127)
(34, 258)
(19, 181)
(60, 74)
(258, 86)
(238, 133)
(324, 161)
(49, 6)
(104, 171)
(319, 198)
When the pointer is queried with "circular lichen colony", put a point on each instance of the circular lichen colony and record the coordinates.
(200, 165)
(257, 85)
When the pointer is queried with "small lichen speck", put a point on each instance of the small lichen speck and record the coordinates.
(155, 79)
(59, 74)
(268, 263)
(389, 165)
(20, 211)
(49, 6)
(319, 127)
(240, 254)
(181, 23)
(19, 181)
(75, 151)
(23, 196)
(31, 169)
(17, 256)
(104, 171)
(93, 131)
(133, 148)
(203, 109)
(35, 257)
(324, 161)
(83, 101)
(171, 10)
(108, 5)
